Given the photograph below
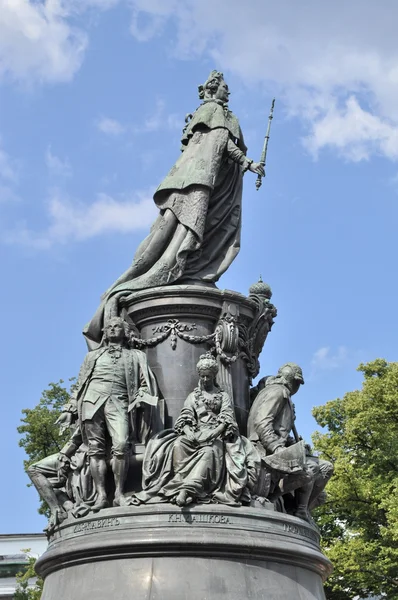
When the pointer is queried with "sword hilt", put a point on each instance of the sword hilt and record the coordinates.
(259, 180)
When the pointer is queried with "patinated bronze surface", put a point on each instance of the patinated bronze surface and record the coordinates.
(197, 234)
(172, 487)
(296, 479)
(204, 459)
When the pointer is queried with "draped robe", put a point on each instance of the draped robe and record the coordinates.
(221, 471)
(197, 233)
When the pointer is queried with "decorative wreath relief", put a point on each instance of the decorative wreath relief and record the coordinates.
(173, 329)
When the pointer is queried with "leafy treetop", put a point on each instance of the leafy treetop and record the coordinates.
(39, 435)
(359, 522)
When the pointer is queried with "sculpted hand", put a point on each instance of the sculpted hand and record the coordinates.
(64, 421)
(190, 435)
(257, 168)
(215, 433)
(63, 468)
(220, 429)
(208, 438)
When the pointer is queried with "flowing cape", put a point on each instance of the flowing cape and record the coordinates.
(197, 233)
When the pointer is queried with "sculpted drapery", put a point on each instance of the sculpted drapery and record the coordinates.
(220, 471)
(204, 459)
(197, 233)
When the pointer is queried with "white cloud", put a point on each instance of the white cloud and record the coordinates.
(9, 177)
(101, 4)
(110, 126)
(159, 120)
(72, 221)
(8, 170)
(149, 17)
(8, 194)
(323, 359)
(37, 42)
(44, 40)
(336, 71)
(355, 133)
(155, 121)
(57, 166)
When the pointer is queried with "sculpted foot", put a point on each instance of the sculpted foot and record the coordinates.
(102, 502)
(119, 500)
(182, 498)
(57, 516)
(302, 513)
(81, 510)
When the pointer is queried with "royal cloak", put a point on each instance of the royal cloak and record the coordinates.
(197, 233)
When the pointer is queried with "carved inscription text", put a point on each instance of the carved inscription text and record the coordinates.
(297, 530)
(97, 524)
(206, 519)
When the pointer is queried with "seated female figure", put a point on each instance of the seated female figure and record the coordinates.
(204, 459)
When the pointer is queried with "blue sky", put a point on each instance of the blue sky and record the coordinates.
(93, 96)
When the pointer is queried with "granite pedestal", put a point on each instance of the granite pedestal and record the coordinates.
(176, 324)
(162, 552)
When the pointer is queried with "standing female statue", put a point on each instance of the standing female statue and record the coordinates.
(204, 459)
(197, 233)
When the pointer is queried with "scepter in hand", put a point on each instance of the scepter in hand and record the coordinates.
(265, 146)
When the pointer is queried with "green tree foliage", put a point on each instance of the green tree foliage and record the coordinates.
(29, 585)
(39, 434)
(359, 522)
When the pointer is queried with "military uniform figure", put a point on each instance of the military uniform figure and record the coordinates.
(270, 424)
(113, 379)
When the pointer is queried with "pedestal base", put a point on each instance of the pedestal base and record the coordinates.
(161, 552)
(178, 323)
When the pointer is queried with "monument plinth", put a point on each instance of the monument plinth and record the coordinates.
(162, 552)
(178, 323)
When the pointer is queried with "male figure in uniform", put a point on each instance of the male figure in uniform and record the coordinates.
(271, 420)
(112, 379)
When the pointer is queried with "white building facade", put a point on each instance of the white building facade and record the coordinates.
(13, 558)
